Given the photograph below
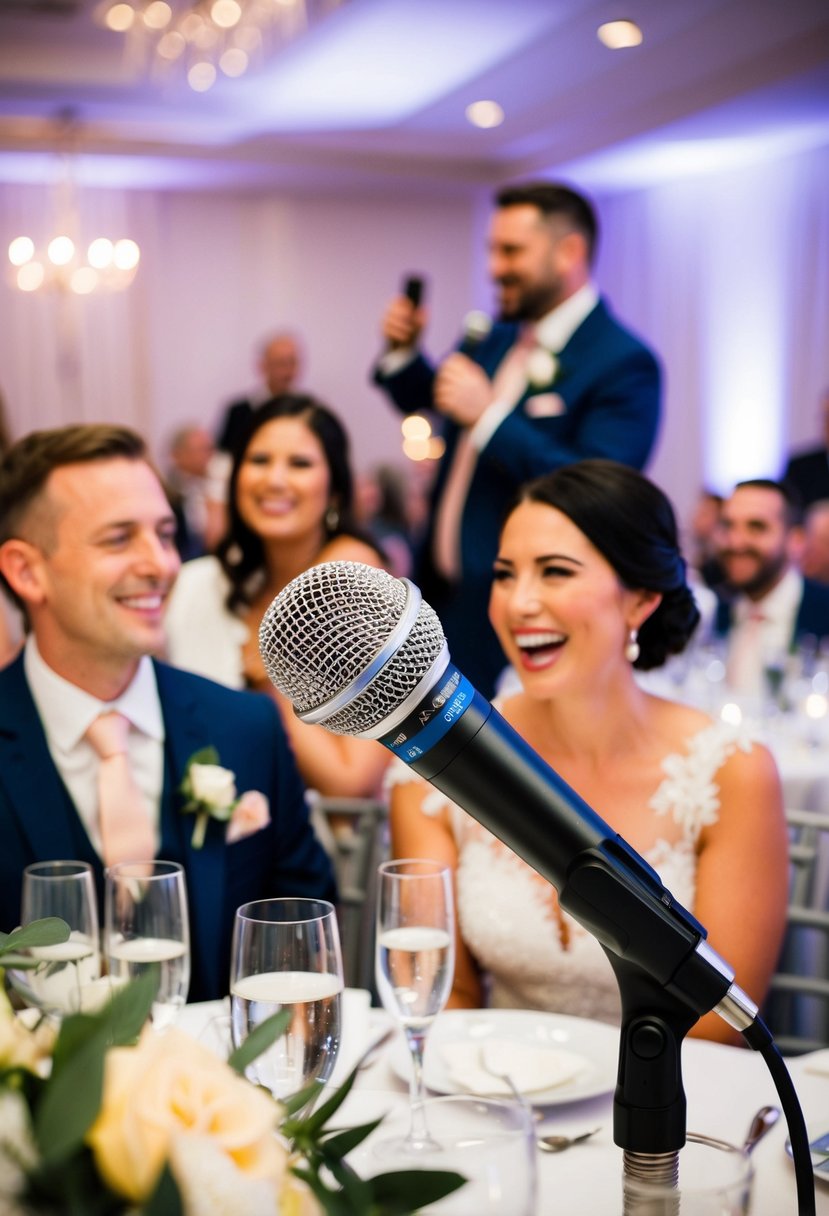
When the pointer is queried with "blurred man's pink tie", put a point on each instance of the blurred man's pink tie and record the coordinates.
(126, 831)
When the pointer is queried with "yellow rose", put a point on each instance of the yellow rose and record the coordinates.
(21, 1047)
(168, 1088)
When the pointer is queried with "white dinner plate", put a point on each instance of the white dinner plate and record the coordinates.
(597, 1042)
(819, 1144)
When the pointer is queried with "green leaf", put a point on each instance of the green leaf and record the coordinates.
(259, 1040)
(313, 1124)
(338, 1144)
(72, 1097)
(46, 932)
(405, 1191)
(298, 1101)
(166, 1198)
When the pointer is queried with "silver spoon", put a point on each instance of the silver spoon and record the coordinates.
(762, 1122)
(557, 1144)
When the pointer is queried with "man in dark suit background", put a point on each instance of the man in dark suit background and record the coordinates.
(279, 365)
(768, 606)
(808, 471)
(556, 379)
(87, 549)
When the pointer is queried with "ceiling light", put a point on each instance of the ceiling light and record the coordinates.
(619, 34)
(485, 114)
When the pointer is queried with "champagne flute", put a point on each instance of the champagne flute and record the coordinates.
(146, 922)
(415, 965)
(69, 971)
(286, 955)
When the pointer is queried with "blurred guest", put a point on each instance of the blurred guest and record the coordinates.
(814, 560)
(95, 737)
(705, 521)
(589, 586)
(771, 604)
(191, 484)
(808, 472)
(555, 379)
(11, 619)
(290, 508)
(278, 365)
(380, 506)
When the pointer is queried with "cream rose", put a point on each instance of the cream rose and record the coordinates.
(170, 1087)
(20, 1046)
(250, 814)
(213, 785)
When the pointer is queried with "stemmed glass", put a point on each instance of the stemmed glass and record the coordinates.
(286, 955)
(415, 964)
(69, 971)
(146, 922)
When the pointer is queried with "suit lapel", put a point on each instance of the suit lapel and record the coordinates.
(38, 798)
(186, 732)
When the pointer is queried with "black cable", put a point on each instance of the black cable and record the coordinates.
(759, 1038)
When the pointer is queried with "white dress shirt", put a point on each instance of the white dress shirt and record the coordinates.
(66, 712)
(773, 633)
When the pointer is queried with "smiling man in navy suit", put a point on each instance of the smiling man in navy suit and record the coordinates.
(555, 379)
(87, 549)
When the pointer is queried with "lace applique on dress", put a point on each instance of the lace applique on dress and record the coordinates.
(505, 910)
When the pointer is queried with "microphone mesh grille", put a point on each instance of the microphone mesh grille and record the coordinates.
(325, 628)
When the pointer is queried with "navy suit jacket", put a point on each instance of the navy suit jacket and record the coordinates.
(609, 389)
(38, 821)
(812, 614)
(809, 474)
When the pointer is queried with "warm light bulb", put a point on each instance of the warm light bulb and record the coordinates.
(226, 13)
(61, 251)
(157, 15)
(201, 77)
(619, 34)
(21, 250)
(234, 62)
(83, 280)
(100, 253)
(126, 254)
(485, 114)
(416, 427)
(171, 44)
(416, 449)
(120, 17)
(30, 276)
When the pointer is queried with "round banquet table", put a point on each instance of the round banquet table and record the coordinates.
(724, 1087)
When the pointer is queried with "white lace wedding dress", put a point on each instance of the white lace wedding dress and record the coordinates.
(533, 955)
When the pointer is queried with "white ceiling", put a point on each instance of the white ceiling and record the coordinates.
(373, 96)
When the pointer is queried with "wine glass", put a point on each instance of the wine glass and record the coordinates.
(286, 955)
(69, 971)
(415, 964)
(146, 922)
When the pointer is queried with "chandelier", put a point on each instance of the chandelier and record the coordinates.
(207, 39)
(61, 260)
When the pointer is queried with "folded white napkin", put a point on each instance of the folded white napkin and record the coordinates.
(480, 1068)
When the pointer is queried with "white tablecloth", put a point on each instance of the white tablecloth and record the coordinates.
(724, 1087)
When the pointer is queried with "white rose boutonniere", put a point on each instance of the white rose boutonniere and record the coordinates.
(210, 793)
(542, 367)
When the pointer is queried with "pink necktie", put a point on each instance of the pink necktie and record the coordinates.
(126, 831)
(508, 386)
(745, 666)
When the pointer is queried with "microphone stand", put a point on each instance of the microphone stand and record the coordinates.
(649, 1101)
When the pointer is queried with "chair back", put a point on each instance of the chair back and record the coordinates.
(797, 1008)
(354, 832)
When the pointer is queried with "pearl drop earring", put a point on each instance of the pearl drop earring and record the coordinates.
(632, 650)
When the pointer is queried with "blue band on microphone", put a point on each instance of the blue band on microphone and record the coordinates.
(435, 716)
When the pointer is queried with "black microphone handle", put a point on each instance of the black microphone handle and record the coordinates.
(485, 766)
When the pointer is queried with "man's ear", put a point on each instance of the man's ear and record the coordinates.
(22, 567)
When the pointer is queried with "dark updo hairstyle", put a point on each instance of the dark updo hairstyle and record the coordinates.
(632, 524)
(241, 552)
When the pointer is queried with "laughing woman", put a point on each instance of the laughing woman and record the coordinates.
(589, 584)
(289, 508)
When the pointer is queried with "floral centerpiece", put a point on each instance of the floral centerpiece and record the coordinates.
(108, 1117)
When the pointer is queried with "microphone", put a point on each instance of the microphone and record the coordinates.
(476, 327)
(358, 651)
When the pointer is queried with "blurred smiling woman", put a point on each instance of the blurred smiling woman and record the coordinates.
(290, 507)
(589, 584)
